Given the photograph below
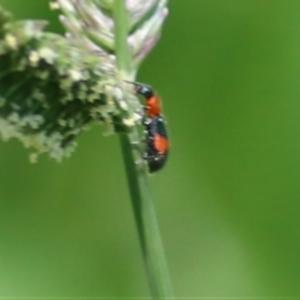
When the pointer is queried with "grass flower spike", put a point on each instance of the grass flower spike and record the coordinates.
(53, 87)
(91, 24)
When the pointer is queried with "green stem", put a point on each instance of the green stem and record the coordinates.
(144, 211)
(121, 32)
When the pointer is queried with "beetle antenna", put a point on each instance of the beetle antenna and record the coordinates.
(132, 82)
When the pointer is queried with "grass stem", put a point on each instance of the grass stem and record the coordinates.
(143, 206)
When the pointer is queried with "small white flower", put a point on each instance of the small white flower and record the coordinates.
(34, 57)
(75, 75)
(47, 54)
(129, 122)
(66, 5)
(137, 117)
(123, 105)
(11, 41)
(54, 5)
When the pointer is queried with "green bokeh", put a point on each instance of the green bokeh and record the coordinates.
(228, 201)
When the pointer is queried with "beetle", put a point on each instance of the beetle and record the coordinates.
(157, 141)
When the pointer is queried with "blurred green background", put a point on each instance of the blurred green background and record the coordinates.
(228, 201)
